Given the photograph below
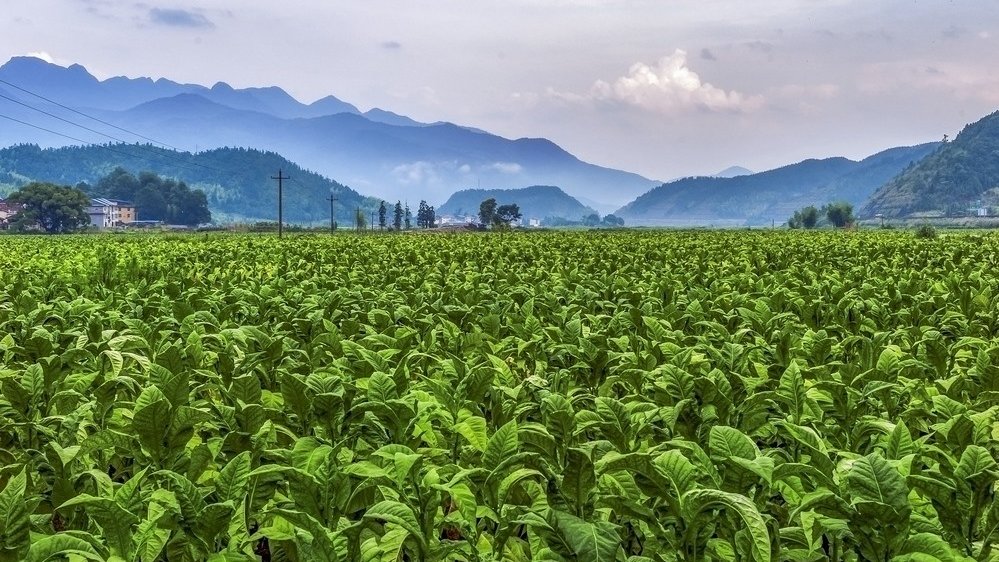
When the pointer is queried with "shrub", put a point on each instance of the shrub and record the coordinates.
(926, 231)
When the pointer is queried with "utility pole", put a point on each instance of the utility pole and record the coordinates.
(280, 179)
(332, 199)
(372, 223)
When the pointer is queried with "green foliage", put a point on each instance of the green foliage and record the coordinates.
(160, 199)
(839, 214)
(950, 180)
(487, 211)
(807, 217)
(624, 396)
(925, 231)
(53, 208)
(506, 214)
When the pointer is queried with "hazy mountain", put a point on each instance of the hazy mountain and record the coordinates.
(733, 172)
(772, 195)
(378, 152)
(960, 174)
(236, 181)
(539, 201)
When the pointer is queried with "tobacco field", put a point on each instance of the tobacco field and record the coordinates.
(615, 396)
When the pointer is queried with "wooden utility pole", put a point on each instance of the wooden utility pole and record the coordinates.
(280, 179)
(332, 199)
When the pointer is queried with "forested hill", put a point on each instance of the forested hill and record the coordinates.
(539, 201)
(961, 174)
(236, 181)
(772, 195)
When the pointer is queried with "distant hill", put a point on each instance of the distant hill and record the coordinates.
(236, 181)
(378, 152)
(539, 201)
(733, 171)
(960, 174)
(772, 195)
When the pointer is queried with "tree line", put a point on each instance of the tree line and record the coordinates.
(57, 208)
(838, 214)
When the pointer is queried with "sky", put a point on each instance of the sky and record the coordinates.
(664, 88)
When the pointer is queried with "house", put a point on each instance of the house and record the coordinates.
(127, 211)
(7, 210)
(111, 213)
(103, 213)
(535, 223)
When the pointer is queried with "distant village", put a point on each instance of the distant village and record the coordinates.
(105, 214)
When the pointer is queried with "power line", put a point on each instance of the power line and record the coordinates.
(78, 112)
(89, 143)
(95, 131)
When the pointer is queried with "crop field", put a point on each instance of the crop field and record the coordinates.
(618, 396)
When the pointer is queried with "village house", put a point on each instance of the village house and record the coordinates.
(111, 213)
(7, 210)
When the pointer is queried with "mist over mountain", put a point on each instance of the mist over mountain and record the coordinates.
(771, 195)
(539, 201)
(376, 152)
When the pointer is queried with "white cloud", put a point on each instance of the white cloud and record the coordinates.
(416, 173)
(506, 167)
(42, 55)
(668, 86)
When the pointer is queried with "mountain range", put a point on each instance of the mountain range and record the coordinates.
(770, 196)
(377, 152)
(962, 174)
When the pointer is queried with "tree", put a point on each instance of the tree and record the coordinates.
(809, 216)
(592, 219)
(613, 220)
(382, 212)
(840, 214)
(55, 208)
(397, 216)
(487, 211)
(360, 221)
(409, 217)
(505, 214)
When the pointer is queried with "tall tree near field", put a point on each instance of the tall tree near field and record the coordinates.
(840, 214)
(397, 216)
(54, 208)
(409, 217)
(487, 211)
(505, 214)
(382, 214)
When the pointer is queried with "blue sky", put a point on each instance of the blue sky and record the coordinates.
(665, 88)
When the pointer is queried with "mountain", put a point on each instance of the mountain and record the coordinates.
(733, 171)
(772, 195)
(962, 173)
(539, 201)
(236, 181)
(377, 152)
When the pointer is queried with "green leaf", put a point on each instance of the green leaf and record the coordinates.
(872, 479)
(232, 481)
(501, 445)
(399, 514)
(588, 542)
(473, 429)
(14, 521)
(150, 425)
(61, 545)
(698, 501)
(728, 442)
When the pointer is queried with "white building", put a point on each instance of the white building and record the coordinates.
(104, 213)
(535, 223)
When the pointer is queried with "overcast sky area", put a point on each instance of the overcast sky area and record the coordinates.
(665, 88)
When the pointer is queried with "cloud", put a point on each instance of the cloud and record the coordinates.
(706, 54)
(669, 86)
(42, 55)
(506, 167)
(416, 173)
(179, 18)
(760, 46)
(391, 45)
(954, 32)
